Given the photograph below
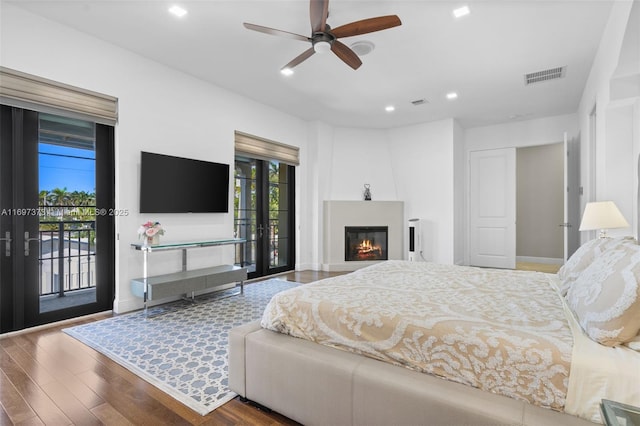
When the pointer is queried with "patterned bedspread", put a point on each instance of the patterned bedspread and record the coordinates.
(498, 330)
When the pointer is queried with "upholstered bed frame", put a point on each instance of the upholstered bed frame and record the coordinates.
(315, 384)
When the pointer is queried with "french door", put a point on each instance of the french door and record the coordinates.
(57, 252)
(264, 214)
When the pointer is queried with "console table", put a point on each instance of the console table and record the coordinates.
(186, 281)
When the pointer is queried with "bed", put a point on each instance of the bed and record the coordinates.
(422, 343)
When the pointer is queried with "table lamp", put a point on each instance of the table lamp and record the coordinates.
(602, 215)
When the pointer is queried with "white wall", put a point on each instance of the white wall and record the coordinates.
(459, 167)
(518, 134)
(361, 156)
(160, 110)
(422, 158)
(602, 177)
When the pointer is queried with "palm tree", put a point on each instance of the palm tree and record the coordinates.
(82, 198)
(59, 197)
(43, 197)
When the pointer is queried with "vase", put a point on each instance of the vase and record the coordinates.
(367, 192)
(153, 241)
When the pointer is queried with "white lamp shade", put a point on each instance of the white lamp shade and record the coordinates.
(602, 215)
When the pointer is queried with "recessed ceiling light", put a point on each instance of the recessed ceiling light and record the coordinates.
(389, 108)
(362, 47)
(178, 11)
(452, 95)
(286, 71)
(461, 11)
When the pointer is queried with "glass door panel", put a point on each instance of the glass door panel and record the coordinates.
(245, 209)
(264, 214)
(67, 200)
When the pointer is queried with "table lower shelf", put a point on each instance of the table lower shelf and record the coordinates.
(188, 282)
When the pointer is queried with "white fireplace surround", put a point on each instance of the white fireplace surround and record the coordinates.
(338, 214)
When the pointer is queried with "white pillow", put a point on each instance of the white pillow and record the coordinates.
(606, 295)
(584, 256)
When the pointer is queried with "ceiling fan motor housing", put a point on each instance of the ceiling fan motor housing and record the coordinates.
(322, 41)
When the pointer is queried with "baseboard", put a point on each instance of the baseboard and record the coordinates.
(52, 324)
(347, 266)
(545, 260)
(308, 267)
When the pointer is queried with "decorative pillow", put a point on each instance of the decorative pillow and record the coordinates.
(583, 257)
(606, 296)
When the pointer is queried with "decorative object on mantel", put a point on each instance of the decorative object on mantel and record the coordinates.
(367, 192)
(150, 232)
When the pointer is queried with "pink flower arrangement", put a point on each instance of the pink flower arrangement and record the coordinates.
(150, 229)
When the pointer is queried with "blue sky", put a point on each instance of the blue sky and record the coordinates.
(62, 166)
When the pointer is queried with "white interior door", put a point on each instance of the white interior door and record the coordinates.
(492, 208)
(571, 196)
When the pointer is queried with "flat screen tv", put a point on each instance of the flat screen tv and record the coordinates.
(181, 185)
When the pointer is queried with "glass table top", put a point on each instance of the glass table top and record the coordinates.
(618, 414)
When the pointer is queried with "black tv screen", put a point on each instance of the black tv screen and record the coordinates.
(181, 185)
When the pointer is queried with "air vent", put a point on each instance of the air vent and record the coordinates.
(545, 75)
(419, 102)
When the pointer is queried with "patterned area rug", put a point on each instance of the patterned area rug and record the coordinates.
(180, 347)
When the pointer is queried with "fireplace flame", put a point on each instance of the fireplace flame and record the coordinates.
(367, 249)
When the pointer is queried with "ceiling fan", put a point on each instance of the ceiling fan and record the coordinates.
(324, 38)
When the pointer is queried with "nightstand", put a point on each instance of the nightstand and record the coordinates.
(617, 414)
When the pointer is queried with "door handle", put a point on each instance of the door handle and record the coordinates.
(565, 225)
(260, 230)
(27, 240)
(7, 243)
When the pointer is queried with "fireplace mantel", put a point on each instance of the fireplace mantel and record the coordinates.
(338, 214)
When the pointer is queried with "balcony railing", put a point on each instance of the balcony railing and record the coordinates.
(67, 257)
(248, 230)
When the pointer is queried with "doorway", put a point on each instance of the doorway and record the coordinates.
(505, 212)
(540, 204)
(264, 214)
(57, 192)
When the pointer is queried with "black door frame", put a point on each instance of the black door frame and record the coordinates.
(262, 222)
(19, 281)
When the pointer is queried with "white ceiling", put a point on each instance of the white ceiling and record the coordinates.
(483, 56)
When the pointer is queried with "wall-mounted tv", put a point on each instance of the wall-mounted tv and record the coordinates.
(181, 185)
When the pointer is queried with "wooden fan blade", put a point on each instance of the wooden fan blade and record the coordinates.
(366, 26)
(318, 12)
(273, 31)
(347, 55)
(300, 58)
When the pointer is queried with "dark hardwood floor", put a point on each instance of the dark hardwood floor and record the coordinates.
(48, 377)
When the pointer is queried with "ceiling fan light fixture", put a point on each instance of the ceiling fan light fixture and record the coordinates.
(321, 46)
